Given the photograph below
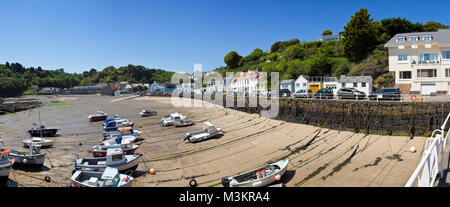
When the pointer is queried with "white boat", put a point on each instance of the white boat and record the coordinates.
(171, 118)
(5, 165)
(210, 130)
(258, 178)
(38, 141)
(108, 178)
(120, 139)
(32, 158)
(124, 131)
(100, 116)
(183, 123)
(146, 113)
(127, 148)
(114, 158)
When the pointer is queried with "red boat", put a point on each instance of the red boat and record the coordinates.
(100, 150)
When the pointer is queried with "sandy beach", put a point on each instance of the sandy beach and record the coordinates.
(318, 156)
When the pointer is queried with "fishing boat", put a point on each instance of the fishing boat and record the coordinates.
(127, 148)
(114, 158)
(110, 177)
(42, 131)
(171, 118)
(38, 141)
(5, 164)
(147, 113)
(258, 178)
(183, 123)
(120, 139)
(32, 158)
(100, 116)
(209, 131)
(122, 131)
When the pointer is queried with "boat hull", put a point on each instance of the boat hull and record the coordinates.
(98, 118)
(261, 182)
(132, 165)
(26, 160)
(4, 172)
(27, 143)
(45, 132)
(102, 153)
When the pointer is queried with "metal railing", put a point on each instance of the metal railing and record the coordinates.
(428, 168)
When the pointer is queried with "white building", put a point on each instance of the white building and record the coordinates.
(421, 62)
(301, 82)
(246, 82)
(361, 83)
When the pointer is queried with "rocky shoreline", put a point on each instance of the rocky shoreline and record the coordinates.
(13, 105)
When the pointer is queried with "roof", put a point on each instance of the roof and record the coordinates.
(440, 37)
(287, 81)
(109, 173)
(355, 79)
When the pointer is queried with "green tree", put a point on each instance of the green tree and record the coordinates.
(327, 32)
(10, 86)
(232, 59)
(360, 35)
(393, 26)
(434, 26)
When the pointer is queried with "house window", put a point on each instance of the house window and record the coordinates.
(297, 84)
(355, 84)
(363, 85)
(447, 72)
(446, 55)
(428, 58)
(403, 58)
(426, 38)
(426, 73)
(413, 39)
(405, 74)
(304, 84)
(343, 85)
(400, 39)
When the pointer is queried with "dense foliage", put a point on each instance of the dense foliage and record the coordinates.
(15, 79)
(360, 52)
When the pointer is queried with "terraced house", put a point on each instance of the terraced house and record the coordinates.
(421, 62)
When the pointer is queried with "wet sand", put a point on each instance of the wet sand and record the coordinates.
(318, 156)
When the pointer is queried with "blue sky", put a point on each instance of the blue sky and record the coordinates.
(174, 34)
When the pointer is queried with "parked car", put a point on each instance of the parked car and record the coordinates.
(284, 93)
(350, 93)
(304, 93)
(324, 93)
(386, 94)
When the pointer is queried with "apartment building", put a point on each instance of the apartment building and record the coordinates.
(421, 62)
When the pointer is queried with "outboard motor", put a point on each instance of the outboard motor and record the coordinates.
(225, 182)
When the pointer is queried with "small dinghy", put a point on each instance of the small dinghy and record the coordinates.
(171, 118)
(120, 139)
(127, 148)
(183, 123)
(147, 113)
(32, 158)
(209, 131)
(108, 178)
(42, 132)
(100, 116)
(38, 141)
(114, 158)
(258, 178)
(5, 164)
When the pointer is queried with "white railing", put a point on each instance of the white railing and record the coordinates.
(428, 168)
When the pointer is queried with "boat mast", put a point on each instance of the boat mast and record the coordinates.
(39, 112)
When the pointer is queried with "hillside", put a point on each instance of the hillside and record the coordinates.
(15, 79)
(360, 52)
